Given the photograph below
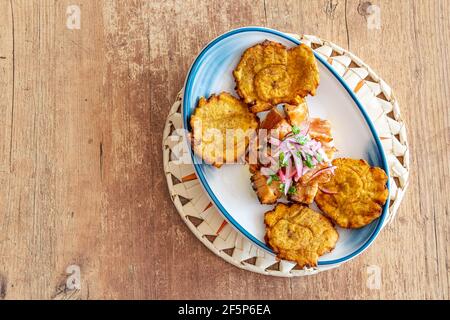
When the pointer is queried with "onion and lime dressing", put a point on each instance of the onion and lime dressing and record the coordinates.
(293, 157)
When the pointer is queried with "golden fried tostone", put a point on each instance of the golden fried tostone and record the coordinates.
(355, 195)
(217, 119)
(299, 234)
(269, 74)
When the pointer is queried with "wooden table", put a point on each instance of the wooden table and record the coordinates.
(81, 119)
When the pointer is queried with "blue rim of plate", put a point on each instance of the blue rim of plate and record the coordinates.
(186, 97)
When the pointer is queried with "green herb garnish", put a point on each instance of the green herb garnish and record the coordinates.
(282, 160)
(301, 139)
(308, 161)
(272, 177)
(292, 190)
(281, 187)
(295, 130)
(319, 157)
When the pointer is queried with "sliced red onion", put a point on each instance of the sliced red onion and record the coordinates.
(307, 149)
(267, 171)
(295, 168)
(292, 140)
(316, 146)
(287, 185)
(322, 171)
(302, 152)
(281, 175)
(298, 168)
(288, 168)
(293, 173)
(284, 147)
(327, 191)
(305, 170)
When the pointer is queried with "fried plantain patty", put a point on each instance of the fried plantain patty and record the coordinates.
(210, 122)
(269, 74)
(355, 195)
(299, 234)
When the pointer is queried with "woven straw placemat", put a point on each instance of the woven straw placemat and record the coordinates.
(210, 227)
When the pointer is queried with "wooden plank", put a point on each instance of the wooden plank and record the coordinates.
(126, 264)
(6, 83)
(420, 231)
(54, 194)
(19, 220)
(6, 109)
(76, 58)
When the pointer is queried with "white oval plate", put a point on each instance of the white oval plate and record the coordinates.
(229, 187)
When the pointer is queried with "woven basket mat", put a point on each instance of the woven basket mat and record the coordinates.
(209, 226)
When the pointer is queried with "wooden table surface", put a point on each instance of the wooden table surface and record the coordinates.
(81, 175)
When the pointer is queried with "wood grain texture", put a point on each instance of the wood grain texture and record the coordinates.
(81, 120)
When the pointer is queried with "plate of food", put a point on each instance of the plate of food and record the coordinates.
(284, 149)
